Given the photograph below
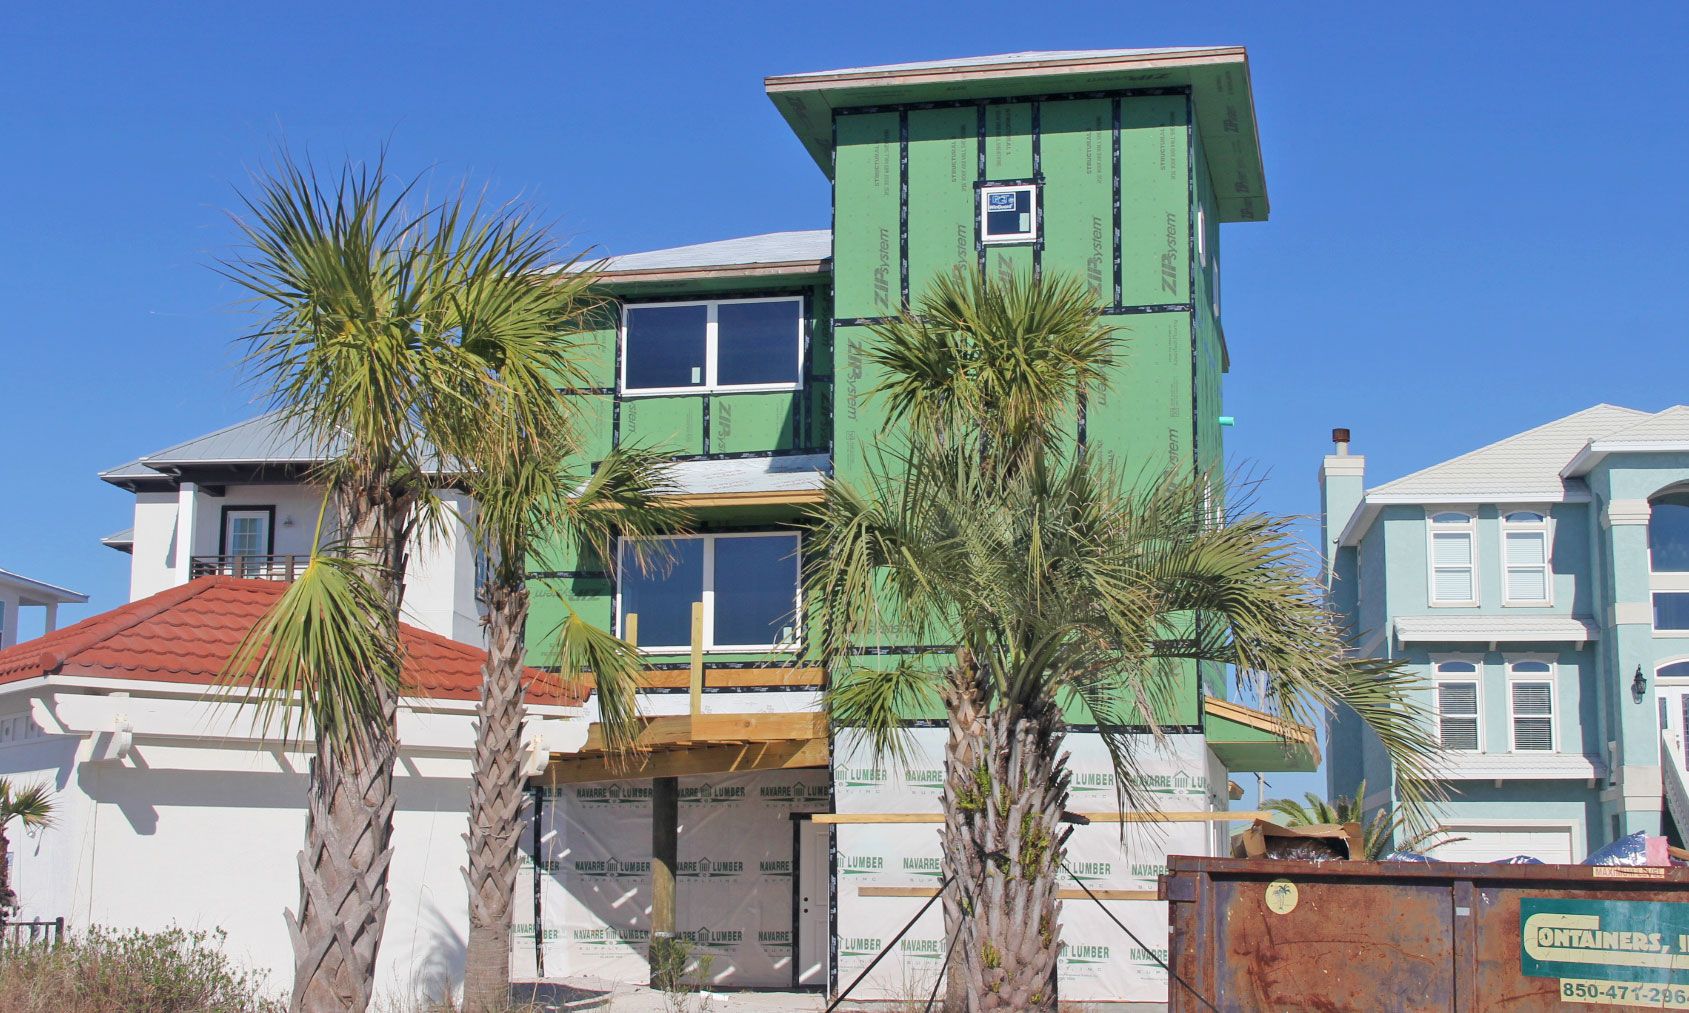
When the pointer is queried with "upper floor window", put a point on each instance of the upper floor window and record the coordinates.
(246, 531)
(1008, 213)
(1671, 611)
(1457, 706)
(713, 345)
(1668, 533)
(747, 582)
(1530, 690)
(1525, 557)
(1454, 550)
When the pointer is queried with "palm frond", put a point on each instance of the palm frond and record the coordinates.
(616, 670)
(29, 804)
(329, 647)
(871, 705)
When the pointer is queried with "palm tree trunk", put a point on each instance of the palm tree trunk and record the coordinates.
(1005, 839)
(343, 896)
(495, 804)
(8, 899)
(964, 702)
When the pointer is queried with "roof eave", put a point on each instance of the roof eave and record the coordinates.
(721, 272)
(1594, 452)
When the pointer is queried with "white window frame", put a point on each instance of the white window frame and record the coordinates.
(711, 385)
(1546, 528)
(1552, 677)
(986, 189)
(708, 594)
(1432, 529)
(1476, 678)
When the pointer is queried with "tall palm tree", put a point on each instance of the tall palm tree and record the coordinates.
(32, 806)
(366, 302)
(1064, 588)
(530, 495)
(1385, 832)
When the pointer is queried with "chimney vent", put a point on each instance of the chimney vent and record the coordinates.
(1340, 437)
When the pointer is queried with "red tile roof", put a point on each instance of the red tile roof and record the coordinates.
(186, 634)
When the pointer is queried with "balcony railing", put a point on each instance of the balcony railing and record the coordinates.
(250, 567)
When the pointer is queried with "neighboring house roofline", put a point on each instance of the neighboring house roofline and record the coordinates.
(39, 592)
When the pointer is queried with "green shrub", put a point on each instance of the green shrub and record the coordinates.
(105, 971)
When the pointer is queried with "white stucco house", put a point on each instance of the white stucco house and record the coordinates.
(239, 501)
(19, 592)
(172, 805)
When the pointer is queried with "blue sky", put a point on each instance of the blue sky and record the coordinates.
(1477, 225)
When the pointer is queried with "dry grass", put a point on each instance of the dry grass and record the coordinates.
(101, 971)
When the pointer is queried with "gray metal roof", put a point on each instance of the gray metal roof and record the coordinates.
(271, 438)
(1487, 629)
(39, 592)
(123, 540)
(1521, 468)
(1003, 59)
(793, 473)
(770, 248)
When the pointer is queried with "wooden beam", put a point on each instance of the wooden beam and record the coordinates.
(697, 670)
(701, 500)
(683, 762)
(714, 729)
(774, 678)
(665, 853)
(929, 891)
(1105, 817)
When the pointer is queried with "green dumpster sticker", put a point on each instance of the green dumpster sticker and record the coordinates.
(1604, 940)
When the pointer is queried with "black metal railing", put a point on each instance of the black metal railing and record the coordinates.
(32, 933)
(250, 567)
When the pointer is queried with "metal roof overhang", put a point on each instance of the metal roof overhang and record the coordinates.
(1218, 77)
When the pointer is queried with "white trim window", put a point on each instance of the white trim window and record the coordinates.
(1526, 551)
(747, 581)
(1008, 213)
(712, 345)
(1453, 550)
(1458, 690)
(1530, 706)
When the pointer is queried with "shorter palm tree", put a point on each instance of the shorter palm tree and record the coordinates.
(30, 805)
(1378, 834)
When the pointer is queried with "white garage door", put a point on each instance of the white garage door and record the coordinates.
(1490, 844)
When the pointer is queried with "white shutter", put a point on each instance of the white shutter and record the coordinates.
(1451, 567)
(1452, 548)
(1457, 710)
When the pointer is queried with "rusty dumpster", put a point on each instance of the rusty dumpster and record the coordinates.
(1256, 934)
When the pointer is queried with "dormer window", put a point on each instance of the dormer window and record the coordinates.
(712, 345)
(1008, 213)
(1454, 550)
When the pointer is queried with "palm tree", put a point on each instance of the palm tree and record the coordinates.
(1378, 834)
(365, 307)
(32, 807)
(1063, 586)
(528, 496)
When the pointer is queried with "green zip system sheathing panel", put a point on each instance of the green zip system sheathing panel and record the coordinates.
(943, 166)
(858, 417)
(674, 425)
(865, 216)
(1008, 155)
(747, 423)
(1077, 159)
(1154, 201)
(1143, 417)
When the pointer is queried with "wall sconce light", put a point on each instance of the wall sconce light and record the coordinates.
(1639, 684)
(287, 521)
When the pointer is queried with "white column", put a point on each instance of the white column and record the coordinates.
(186, 502)
(52, 621)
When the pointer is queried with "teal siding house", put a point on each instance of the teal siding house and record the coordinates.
(1541, 586)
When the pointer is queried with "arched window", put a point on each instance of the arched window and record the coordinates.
(1668, 532)
(1675, 670)
(1457, 705)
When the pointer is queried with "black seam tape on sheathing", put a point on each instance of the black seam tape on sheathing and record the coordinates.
(903, 204)
(1037, 202)
(747, 455)
(1037, 179)
(861, 322)
(1079, 420)
(1119, 273)
(979, 237)
(1172, 307)
(1011, 99)
(704, 423)
(567, 575)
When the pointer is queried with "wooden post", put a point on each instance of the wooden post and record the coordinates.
(665, 838)
(630, 629)
(697, 658)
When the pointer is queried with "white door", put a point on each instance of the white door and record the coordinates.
(1551, 844)
(812, 880)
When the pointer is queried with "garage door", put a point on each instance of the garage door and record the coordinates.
(1489, 844)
